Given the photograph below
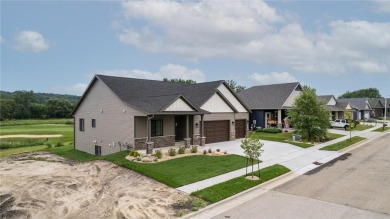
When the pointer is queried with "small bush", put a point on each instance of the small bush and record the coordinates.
(59, 144)
(49, 145)
(172, 152)
(210, 151)
(158, 154)
(134, 153)
(194, 149)
(225, 152)
(197, 204)
(218, 150)
(269, 130)
(204, 152)
(181, 150)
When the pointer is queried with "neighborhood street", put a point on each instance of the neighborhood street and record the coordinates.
(355, 185)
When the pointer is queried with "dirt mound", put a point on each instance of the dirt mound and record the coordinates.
(42, 185)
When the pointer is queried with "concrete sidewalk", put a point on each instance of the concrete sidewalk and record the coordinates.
(297, 159)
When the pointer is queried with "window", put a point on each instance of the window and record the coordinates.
(98, 150)
(81, 124)
(93, 123)
(157, 128)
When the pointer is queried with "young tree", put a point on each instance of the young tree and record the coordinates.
(233, 85)
(351, 125)
(308, 115)
(253, 148)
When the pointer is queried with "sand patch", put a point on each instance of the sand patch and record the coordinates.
(59, 188)
(30, 136)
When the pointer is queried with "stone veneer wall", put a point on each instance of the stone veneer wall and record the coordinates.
(159, 142)
(196, 139)
(232, 136)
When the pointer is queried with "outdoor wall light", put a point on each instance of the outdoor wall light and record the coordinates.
(197, 125)
(232, 122)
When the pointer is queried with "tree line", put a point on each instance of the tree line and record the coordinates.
(29, 105)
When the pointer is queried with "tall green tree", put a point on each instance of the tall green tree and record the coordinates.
(7, 109)
(59, 108)
(362, 93)
(23, 101)
(234, 86)
(179, 80)
(308, 115)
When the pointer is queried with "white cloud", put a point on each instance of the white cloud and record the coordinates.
(30, 41)
(272, 78)
(252, 30)
(77, 89)
(166, 71)
(382, 6)
(2, 40)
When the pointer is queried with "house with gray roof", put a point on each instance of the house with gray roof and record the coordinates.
(336, 109)
(115, 113)
(269, 103)
(362, 106)
(378, 106)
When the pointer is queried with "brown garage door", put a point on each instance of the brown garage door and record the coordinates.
(240, 128)
(216, 131)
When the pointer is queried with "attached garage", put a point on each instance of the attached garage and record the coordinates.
(240, 128)
(216, 131)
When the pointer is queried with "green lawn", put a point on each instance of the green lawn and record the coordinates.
(35, 122)
(287, 138)
(362, 127)
(234, 186)
(182, 171)
(17, 145)
(343, 144)
(381, 129)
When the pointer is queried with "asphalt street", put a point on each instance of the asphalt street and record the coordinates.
(355, 185)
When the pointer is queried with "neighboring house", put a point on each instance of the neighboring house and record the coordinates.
(269, 103)
(116, 113)
(362, 107)
(336, 109)
(377, 106)
(387, 103)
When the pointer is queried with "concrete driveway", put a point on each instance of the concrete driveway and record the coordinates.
(271, 149)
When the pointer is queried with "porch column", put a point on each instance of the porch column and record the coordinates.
(202, 138)
(187, 140)
(279, 125)
(149, 143)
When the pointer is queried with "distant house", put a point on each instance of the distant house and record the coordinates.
(269, 103)
(377, 106)
(116, 113)
(336, 109)
(362, 107)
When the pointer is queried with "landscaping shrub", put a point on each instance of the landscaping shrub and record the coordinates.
(172, 152)
(181, 150)
(59, 144)
(48, 144)
(158, 154)
(134, 154)
(218, 150)
(269, 130)
(204, 152)
(194, 149)
(210, 151)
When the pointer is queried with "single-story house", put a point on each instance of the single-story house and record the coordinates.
(269, 103)
(377, 106)
(336, 109)
(362, 107)
(115, 113)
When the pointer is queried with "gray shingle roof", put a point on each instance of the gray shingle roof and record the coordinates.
(324, 98)
(357, 103)
(153, 96)
(377, 103)
(271, 96)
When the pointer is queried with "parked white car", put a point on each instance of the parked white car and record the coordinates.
(340, 123)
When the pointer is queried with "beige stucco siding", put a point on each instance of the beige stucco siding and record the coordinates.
(141, 124)
(114, 121)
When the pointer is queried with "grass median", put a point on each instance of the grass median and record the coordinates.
(342, 144)
(381, 129)
(234, 186)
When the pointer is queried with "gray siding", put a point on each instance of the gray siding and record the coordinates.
(114, 121)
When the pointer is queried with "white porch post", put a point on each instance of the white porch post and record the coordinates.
(279, 118)
(149, 142)
(202, 137)
(187, 140)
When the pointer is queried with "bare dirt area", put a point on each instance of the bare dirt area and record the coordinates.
(43, 185)
(30, 136)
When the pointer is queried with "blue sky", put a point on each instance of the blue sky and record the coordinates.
(333, 46)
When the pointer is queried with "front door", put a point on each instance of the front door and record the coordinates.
(268, 115)
(180, 127)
